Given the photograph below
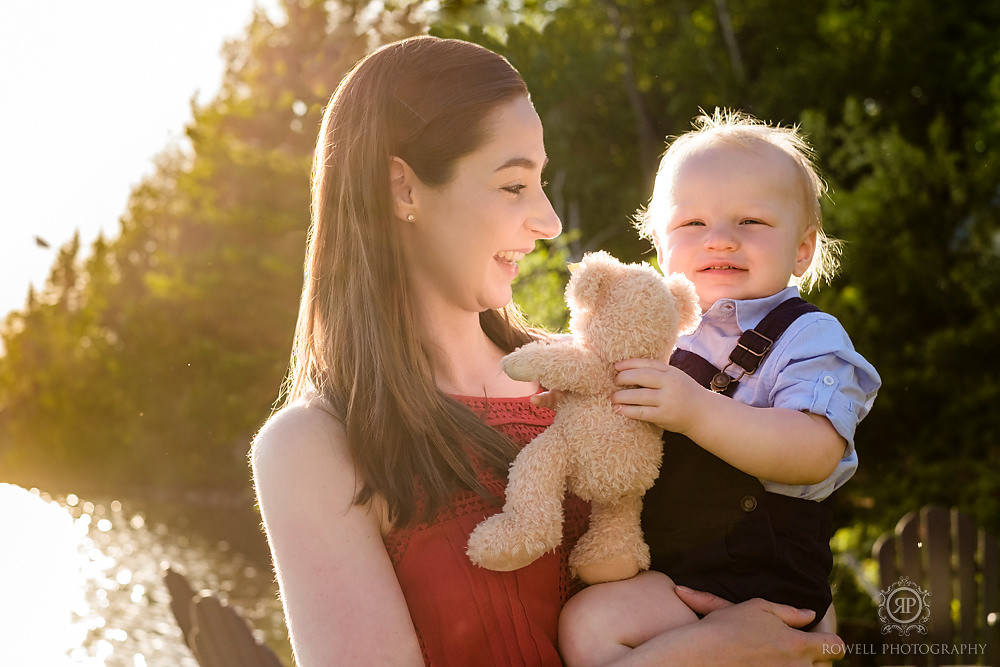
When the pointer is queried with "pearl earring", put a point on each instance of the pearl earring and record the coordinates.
(410, 218)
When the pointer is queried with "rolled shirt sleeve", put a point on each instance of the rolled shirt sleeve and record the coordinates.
(815, 368)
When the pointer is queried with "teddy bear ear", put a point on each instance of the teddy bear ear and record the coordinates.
(587, 277)
(687, 301)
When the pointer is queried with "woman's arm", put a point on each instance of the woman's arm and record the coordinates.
(748, 634)
(341, 597)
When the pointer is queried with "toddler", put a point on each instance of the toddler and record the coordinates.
(760, 402)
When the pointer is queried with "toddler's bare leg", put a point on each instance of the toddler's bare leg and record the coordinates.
(605, 621)
(828, 623)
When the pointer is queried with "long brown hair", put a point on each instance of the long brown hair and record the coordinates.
(357, 345)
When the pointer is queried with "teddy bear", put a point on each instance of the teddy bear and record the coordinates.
(617, 311)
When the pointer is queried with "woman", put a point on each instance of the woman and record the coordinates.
(398, 423)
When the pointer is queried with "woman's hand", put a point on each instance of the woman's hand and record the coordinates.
(549, 398)
(758, 632)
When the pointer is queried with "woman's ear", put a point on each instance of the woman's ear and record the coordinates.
(402, 179)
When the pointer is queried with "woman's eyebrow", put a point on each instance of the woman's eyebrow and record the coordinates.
(522, 162)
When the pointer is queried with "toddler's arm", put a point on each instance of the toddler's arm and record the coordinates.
(777, 444)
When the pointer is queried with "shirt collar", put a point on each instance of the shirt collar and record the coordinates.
(750, 312)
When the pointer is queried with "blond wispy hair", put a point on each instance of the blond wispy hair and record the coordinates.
(729, 126)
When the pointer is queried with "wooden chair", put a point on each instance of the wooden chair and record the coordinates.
(216, 633)
(944, 553)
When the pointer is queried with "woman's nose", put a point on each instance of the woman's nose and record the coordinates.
(544, 221)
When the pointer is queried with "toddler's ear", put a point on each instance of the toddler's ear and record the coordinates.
(688, 309)
(661, 258)
(804, 253)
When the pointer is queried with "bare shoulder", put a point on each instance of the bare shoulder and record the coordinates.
(301, 430)
(301, 452)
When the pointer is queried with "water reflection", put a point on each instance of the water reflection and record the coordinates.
(81, 583)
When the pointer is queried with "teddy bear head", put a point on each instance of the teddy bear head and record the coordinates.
(628, 311)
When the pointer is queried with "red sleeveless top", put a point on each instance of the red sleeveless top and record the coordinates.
(464, 614)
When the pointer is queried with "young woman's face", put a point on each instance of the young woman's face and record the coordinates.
(467, 236)
(735, 222)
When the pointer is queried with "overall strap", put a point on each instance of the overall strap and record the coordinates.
(755, 343)
(750, 351)
(695, 365)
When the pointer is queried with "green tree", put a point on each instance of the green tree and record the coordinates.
(155, 360)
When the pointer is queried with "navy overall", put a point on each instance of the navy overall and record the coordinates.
(712, 527)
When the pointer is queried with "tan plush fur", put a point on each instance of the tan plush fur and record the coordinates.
(617, 311)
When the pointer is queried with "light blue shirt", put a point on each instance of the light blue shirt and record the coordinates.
(812, 367)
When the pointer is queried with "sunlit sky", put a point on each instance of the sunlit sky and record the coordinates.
(90, 92)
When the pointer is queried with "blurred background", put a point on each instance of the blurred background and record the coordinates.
(138, 364)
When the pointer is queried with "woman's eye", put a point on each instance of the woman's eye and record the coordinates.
(515, 189)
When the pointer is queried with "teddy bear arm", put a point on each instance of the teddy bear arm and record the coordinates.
(584, 373)
(522, 364)
(559, 365)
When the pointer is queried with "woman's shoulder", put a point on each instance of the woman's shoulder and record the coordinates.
(303, 427)
(300, 459)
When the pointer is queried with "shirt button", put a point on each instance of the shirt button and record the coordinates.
(828, 380)
(748, 503)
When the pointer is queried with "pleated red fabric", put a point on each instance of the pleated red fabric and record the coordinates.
(464, 614)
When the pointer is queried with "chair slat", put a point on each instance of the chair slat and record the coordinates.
(910, 546)
(964, 537)
(936, 531)
(991, 597)
(217, 634)
(884, 553)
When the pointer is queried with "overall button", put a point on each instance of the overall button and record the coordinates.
(748, 503)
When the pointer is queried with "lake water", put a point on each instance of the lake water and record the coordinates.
(81, 579)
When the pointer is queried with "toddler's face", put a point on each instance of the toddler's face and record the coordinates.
(733, 220)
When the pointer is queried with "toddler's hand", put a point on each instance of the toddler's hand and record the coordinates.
(655, 392)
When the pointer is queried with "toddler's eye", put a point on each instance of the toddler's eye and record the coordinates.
(752, 221)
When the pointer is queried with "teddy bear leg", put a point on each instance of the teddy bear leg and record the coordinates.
(532, 517)
(612, 548)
